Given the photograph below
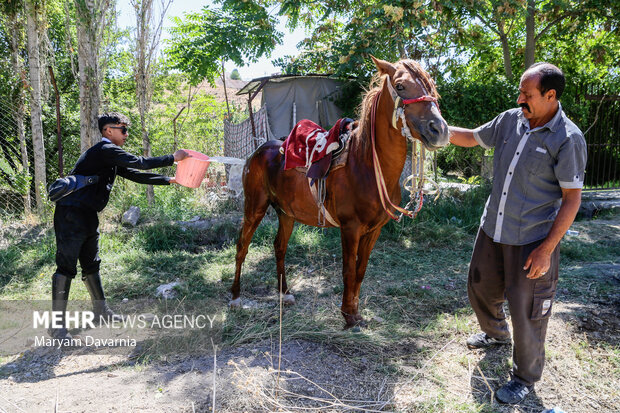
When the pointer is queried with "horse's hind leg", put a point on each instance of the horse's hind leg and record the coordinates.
(285, 229)
(255, 207)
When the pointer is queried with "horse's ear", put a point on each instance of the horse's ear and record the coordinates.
(384, 67)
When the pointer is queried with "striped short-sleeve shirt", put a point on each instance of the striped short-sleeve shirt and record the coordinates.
(531, 166)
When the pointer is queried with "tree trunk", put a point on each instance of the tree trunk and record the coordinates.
(143, 17)
(61, 163)
(530, 34)
(91, 22)
(35, 102)
(18, 98)
(147, 41)
(507, 60)
(503, 38)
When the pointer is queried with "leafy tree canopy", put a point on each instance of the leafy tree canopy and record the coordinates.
(453, 38)
(239, 31)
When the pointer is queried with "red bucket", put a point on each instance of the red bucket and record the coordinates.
(191, 170)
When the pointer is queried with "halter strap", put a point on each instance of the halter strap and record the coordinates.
(398, 100)
(424, 98)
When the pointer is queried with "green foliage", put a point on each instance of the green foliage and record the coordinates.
(349, 98)
(343, 35)
(200, 128)
(453, 217)
(465, 162)
(240, 31)
(16, 179)
(470, 103)
(454, 39)
(234, 75)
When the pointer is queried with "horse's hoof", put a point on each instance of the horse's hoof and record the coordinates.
(355, 328)
(288, 299)
(355, 323)
(236, 303)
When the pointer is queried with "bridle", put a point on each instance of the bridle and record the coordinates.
(399, 112)
(399, 108)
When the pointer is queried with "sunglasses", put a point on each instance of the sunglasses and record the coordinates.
(123, 129)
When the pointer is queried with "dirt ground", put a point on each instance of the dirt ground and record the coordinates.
(314, 376)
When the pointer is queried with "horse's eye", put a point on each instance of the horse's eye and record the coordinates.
(399, 86)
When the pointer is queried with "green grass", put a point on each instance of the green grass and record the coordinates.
(576, 250)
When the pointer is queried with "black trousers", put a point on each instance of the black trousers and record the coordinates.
(496, 274)
(77, 239)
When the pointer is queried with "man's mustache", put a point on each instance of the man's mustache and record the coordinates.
(525, 106)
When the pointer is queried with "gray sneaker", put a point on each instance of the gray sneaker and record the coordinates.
(482, 340)
(513, 392)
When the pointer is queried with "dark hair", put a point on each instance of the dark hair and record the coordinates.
(551, 77)
(112, 118)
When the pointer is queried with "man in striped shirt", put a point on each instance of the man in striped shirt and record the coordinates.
(538, 172)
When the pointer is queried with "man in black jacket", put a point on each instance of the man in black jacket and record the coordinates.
(75, 218)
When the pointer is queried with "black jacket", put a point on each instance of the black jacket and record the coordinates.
(106, 160)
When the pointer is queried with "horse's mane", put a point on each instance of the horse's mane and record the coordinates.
(376, 84)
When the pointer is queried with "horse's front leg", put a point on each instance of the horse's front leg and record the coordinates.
(285, 229)
(350, 239)
(366, 244)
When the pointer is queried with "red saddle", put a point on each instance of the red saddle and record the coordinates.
(308, 145)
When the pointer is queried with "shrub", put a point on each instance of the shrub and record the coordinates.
(470, 104)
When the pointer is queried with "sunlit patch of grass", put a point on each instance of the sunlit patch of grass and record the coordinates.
(576, 250)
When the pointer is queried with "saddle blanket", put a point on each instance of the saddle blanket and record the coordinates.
(309, 143)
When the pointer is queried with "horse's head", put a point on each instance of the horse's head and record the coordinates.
(415, 102)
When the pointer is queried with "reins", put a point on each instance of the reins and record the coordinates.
(417, 178)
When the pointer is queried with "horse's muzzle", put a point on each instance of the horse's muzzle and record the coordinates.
(434, 133)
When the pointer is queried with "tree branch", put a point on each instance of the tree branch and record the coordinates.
(553, 23)
(486, 23)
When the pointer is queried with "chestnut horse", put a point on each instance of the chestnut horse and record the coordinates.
(352, 194)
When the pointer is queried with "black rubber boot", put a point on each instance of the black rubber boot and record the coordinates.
(60, 296)
(100, 307)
